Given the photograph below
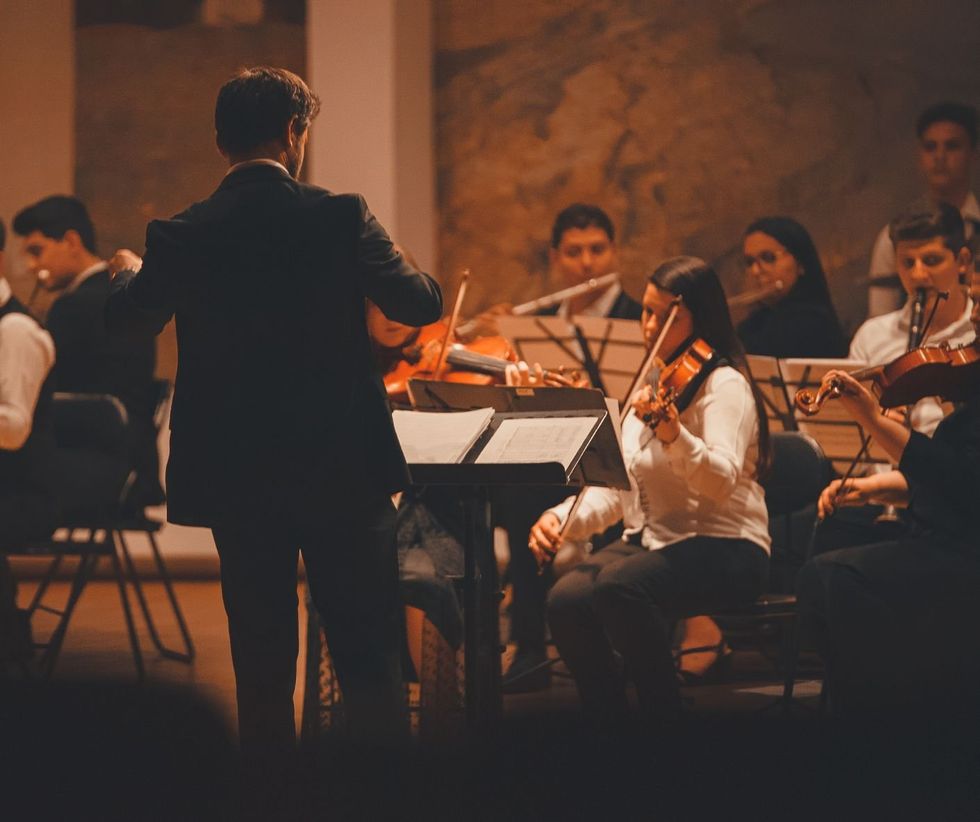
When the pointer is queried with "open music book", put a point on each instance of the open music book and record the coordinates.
(433, 437)
(548, 439)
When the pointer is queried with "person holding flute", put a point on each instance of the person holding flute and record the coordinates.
(695, 528)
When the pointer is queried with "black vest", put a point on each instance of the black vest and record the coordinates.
(30, 468)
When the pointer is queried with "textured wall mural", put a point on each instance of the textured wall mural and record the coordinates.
(684, 120)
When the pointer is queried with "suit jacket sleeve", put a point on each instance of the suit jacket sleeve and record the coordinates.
(402, 293)
(142, 304)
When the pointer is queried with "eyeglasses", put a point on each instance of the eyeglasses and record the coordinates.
(764, 258)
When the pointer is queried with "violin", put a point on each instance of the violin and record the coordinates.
(952, 374)
(481, 362)
(677, 382)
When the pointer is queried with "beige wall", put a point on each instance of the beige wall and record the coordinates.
(685, 121)
(37, 112)
(370, 62)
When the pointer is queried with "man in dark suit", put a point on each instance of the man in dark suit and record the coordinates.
(59, 245)
(281, 437)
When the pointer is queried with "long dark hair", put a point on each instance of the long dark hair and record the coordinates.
(792, 236)
(698, 286)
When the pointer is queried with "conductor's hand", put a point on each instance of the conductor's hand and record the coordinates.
(124, 260)
(545, 538)
(857, 491)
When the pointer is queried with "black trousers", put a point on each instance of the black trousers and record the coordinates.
(624, 598)
(897, 624)
(348, 548)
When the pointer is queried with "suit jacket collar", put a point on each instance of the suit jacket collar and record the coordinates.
(252, 173)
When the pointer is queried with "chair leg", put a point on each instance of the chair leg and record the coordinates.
(791, 653)
(42, 588)
(187, 655)
(134, 641)
(52, 648)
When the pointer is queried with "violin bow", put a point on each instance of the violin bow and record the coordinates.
(624, 412)
(453, 319)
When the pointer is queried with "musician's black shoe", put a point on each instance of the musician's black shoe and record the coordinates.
(528, 672)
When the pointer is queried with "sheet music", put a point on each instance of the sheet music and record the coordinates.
(538, 439)
(433, 437)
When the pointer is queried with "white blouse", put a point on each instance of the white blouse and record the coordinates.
(703, 483)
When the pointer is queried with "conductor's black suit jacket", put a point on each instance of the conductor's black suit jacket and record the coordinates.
(276, 391)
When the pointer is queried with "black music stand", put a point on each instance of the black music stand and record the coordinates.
(598, 461)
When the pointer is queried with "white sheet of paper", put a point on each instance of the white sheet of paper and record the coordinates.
(538, 439)
(439, 437)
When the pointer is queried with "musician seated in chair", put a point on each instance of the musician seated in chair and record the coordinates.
(932, 259)
(695, 535)
(896, 622)
(60, 250)
(28, 510)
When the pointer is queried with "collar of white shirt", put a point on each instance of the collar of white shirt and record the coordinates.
(599, 308)
(82, 276)
(260, 161)
(5, 292)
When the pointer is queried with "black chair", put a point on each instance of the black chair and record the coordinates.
(799, 471)
(128, 519)
(92, 480)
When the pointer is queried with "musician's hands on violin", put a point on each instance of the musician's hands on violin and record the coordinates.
(520, 373)
(660, 416)
(124, 260)
(889, 488)
(545, 538)
(859, 402)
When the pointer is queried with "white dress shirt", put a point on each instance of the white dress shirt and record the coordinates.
(702, 484)
(26, 357)
(82, 276)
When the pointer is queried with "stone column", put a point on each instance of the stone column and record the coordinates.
(371, 64)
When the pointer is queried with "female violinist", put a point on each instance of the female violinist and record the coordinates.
(896, 622)
(695, 524)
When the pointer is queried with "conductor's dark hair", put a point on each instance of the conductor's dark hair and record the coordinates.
(699, 288)
(581, 215)
(256, 105)
(54, 216)
(959, 113)
(921, 225)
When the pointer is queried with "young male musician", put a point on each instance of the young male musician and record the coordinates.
(947, 154)
(932, 258)
(896, 622)
(59, 246)
(931, 253)
(281, 437)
